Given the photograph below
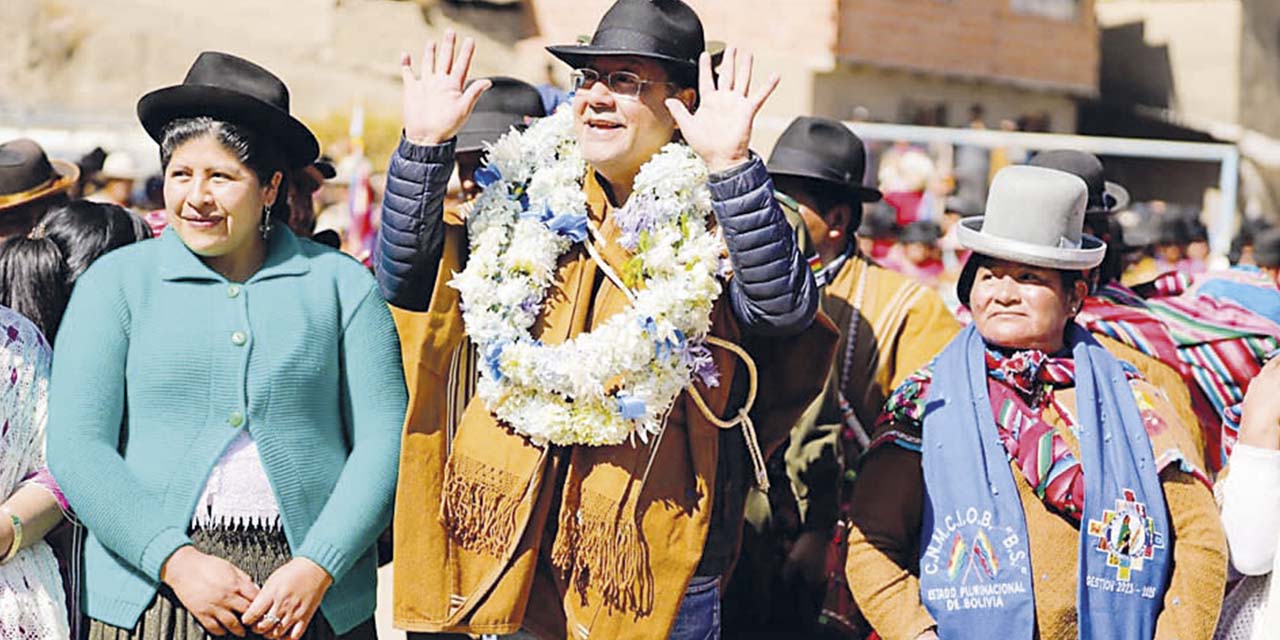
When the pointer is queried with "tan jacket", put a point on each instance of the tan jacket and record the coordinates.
(493, 533)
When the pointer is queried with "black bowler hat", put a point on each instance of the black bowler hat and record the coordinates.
(1104, 196)
(920, 232)
(508, 103)
(666, 30)
(232, 89)
(822, 149)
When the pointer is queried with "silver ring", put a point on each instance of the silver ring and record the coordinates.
(271, 619)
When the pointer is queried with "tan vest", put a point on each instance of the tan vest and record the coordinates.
(493, 533)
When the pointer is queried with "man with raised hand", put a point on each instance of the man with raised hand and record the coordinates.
(646, 330)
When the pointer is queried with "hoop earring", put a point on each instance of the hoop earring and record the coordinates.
(265, 226)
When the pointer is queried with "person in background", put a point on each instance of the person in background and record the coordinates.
(877, 233)
(918, 254)
(33, 600)
(226, 401)
(507, 104)
(30, 185)
(1257, 287)
(1197, 247)
(116, 179)
(38, 270)
(890, 326)
(304, 183)
(1027, 483)
(1120, 318)
(1171, 241)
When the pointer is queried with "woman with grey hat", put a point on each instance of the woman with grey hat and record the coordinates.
(1027, 483)
(226, 401)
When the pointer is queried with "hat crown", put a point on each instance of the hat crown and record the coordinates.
(223, 70)
(511, 97)
(23, 166)
(1036, 206)
(820, 148)
(667, 27)
(1083, 165)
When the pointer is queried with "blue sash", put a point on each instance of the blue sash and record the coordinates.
(975, 565)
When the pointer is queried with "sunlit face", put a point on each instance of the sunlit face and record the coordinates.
(214, 202)
(1019, 306)
(920, 252)
(618, 134)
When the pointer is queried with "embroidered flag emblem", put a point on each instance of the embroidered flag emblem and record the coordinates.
(1126, 535)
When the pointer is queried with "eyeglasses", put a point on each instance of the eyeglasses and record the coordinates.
(621, 83)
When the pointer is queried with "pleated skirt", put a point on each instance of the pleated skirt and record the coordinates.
(258, 552)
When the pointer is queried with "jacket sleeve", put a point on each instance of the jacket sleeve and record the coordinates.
(411, 239)
(772, 291)
(1251, 508)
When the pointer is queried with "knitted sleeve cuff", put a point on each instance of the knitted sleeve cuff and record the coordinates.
(157, 552)
(334, 560)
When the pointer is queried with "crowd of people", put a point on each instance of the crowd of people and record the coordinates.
(608, 373)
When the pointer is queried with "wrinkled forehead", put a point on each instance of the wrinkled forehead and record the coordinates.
(646, 68)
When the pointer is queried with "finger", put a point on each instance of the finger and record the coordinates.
(473, 93)
(678, 112)
(728, 69)
(463, 65)
(211, 625)
(229, 622)
(429, 59)
(257, 609)
(706, 82)
(764, 95)
(247, 587)
(444, 55)
(406, 68)
(237, 602)
(298, 629)
(743, 82)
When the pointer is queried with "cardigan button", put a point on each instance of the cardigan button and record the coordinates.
(233, 290)
(236, 419)
(239, 338)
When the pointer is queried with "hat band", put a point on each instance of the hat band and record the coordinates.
(14, 198)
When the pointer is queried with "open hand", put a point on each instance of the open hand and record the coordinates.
(212, 589)
(288, 600)
(439, 103)
(720, 130)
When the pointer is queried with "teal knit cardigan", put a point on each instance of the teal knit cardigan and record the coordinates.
(304, 355)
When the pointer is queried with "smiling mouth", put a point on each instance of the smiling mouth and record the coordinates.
(203, 223)
(603, 125)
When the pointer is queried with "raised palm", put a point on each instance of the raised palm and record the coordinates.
(720, 130)
(438, 103)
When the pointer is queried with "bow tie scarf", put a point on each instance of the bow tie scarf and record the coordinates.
(1020, 384)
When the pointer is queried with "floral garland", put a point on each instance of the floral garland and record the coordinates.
(617, 382)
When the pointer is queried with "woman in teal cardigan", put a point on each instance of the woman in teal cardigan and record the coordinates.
(226, 401)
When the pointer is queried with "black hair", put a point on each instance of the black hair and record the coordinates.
(257, 152)
(38, 270)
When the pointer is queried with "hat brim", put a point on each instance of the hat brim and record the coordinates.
(1118, 196)
(68, 174)
(162, 106)
(1089, 255)
(577, 55)
(864, 194)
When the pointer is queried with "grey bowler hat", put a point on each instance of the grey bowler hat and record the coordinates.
(1035, 216)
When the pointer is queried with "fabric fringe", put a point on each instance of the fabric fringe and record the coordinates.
(597, 547)
(479, 504)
